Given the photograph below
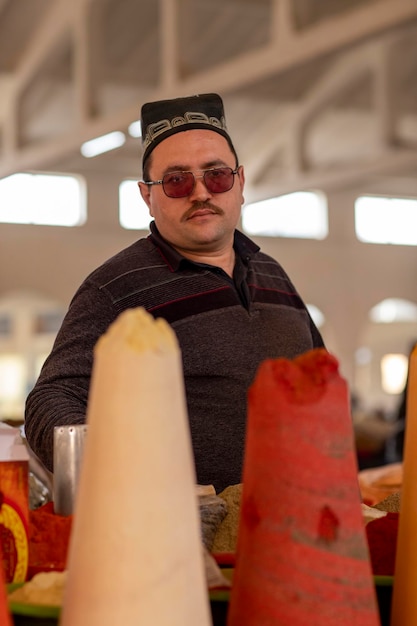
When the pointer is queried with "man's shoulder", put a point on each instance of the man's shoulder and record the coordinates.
(140, 255)
(261, 259)
(249, 250)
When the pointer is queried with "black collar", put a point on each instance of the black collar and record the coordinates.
(243, 246)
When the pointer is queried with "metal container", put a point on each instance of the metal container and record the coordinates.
(68, 453)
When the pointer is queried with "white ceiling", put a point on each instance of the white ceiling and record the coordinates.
(317, 92)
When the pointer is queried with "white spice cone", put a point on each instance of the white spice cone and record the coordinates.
(136, 555)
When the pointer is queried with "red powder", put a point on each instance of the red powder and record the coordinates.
(328, 525)
(382, 541)
(48, 539)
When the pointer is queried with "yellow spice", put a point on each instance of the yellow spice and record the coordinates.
(138, 330)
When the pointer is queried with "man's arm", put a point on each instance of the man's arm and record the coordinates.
(61, 391)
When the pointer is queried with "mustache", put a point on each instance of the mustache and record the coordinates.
(196, 206)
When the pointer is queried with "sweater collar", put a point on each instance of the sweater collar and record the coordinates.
(243, 246)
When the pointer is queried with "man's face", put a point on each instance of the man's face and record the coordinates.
(202, 221)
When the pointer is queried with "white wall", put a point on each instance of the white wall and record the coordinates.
(342, 276)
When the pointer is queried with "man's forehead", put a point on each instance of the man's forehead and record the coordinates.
(191, 148)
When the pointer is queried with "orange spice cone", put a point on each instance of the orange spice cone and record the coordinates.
(5, 617)
(302, 556)
(404, 599)
(136, 555)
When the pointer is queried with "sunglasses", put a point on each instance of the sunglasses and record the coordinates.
(181, 184)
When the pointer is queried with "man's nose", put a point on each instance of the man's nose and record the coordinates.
(200, 191)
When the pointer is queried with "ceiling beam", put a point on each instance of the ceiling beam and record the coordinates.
(169, 70)
(87, 46)
(390, 161)
(286, 49)
(294, 47)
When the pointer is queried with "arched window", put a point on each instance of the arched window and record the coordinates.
(28, 327)
(382, 359)
(393, 310)
(316, 315)
(394, 368)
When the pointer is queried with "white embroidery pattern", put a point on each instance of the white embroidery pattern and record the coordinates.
(158, 128)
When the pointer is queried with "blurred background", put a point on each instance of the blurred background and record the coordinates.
(321, 100)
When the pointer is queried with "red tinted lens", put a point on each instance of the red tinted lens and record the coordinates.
(178, 184)
(219, 179)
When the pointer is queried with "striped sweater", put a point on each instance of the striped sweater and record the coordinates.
(225, 327)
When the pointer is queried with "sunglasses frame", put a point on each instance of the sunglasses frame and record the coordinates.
(203, 176)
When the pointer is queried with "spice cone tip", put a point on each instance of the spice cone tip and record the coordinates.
(139, 331)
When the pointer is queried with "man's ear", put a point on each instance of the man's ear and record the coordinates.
(241, 174)
(145, 192)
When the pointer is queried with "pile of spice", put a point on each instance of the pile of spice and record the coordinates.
(382, 536)
(382, 540)
(49, 536)
(225, 540)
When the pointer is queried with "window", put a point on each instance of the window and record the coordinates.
(48, 322)
(12, 385)
(301, 214)
(133, 211)
(393, 310)
(49, 199)
(27, 333)
(5, 324)
(316, 315)
(38, 364)
(380, 219)
(394, 368)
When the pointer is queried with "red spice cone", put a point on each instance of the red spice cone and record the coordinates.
(302, 556)
(5, 617)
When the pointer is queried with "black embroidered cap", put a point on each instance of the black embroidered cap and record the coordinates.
(164, 118)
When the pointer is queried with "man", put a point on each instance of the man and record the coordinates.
(230, 305)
